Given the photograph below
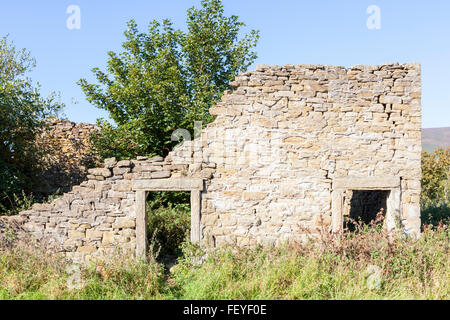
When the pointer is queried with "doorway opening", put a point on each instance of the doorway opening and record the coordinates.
(143, 187)
(168, 216)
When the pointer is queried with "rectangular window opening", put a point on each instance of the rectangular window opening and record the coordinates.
(365, 207)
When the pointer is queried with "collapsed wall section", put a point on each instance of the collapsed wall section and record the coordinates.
(64, 155)
(98, 217)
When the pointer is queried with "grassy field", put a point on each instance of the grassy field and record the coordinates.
(366, 265)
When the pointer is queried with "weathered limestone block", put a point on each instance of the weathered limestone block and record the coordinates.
(124, 222)
(249, 196)
(109, 163)
(76, 235)
(121, 170)
(161, 174)
(123, 163)
(108, 238)
(155, 159)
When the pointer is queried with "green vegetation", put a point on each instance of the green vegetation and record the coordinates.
(22, 109)
(364, 265)
(435, 197)
(29, 273)
(168, 221)
(166, 79)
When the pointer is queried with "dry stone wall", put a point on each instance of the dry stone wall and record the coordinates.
(286, 133)
(98, 216)
(286, 146)
(66, 146)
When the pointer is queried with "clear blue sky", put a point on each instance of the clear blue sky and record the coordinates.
(292, 32)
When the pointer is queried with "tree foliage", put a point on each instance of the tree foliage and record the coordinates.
(166, 79)
(436, 175)
(22, 109)
(435, 197)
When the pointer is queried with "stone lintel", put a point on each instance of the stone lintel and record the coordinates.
(178, 184)
(366, 183)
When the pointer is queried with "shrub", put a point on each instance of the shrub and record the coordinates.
(435, 196)
(19, 202)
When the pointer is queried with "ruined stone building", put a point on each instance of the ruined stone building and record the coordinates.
(292, 148)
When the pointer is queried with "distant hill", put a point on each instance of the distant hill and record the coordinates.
(433, 138)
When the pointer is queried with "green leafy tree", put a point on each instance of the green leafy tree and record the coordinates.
(22, 109)
(166, 79)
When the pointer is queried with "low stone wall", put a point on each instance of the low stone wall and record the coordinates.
(99, 216)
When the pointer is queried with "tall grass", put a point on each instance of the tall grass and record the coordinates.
(367, 265)
(363, 265)
(30, 273)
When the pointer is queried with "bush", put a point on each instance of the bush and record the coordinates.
(435, 196)
(123, 142)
